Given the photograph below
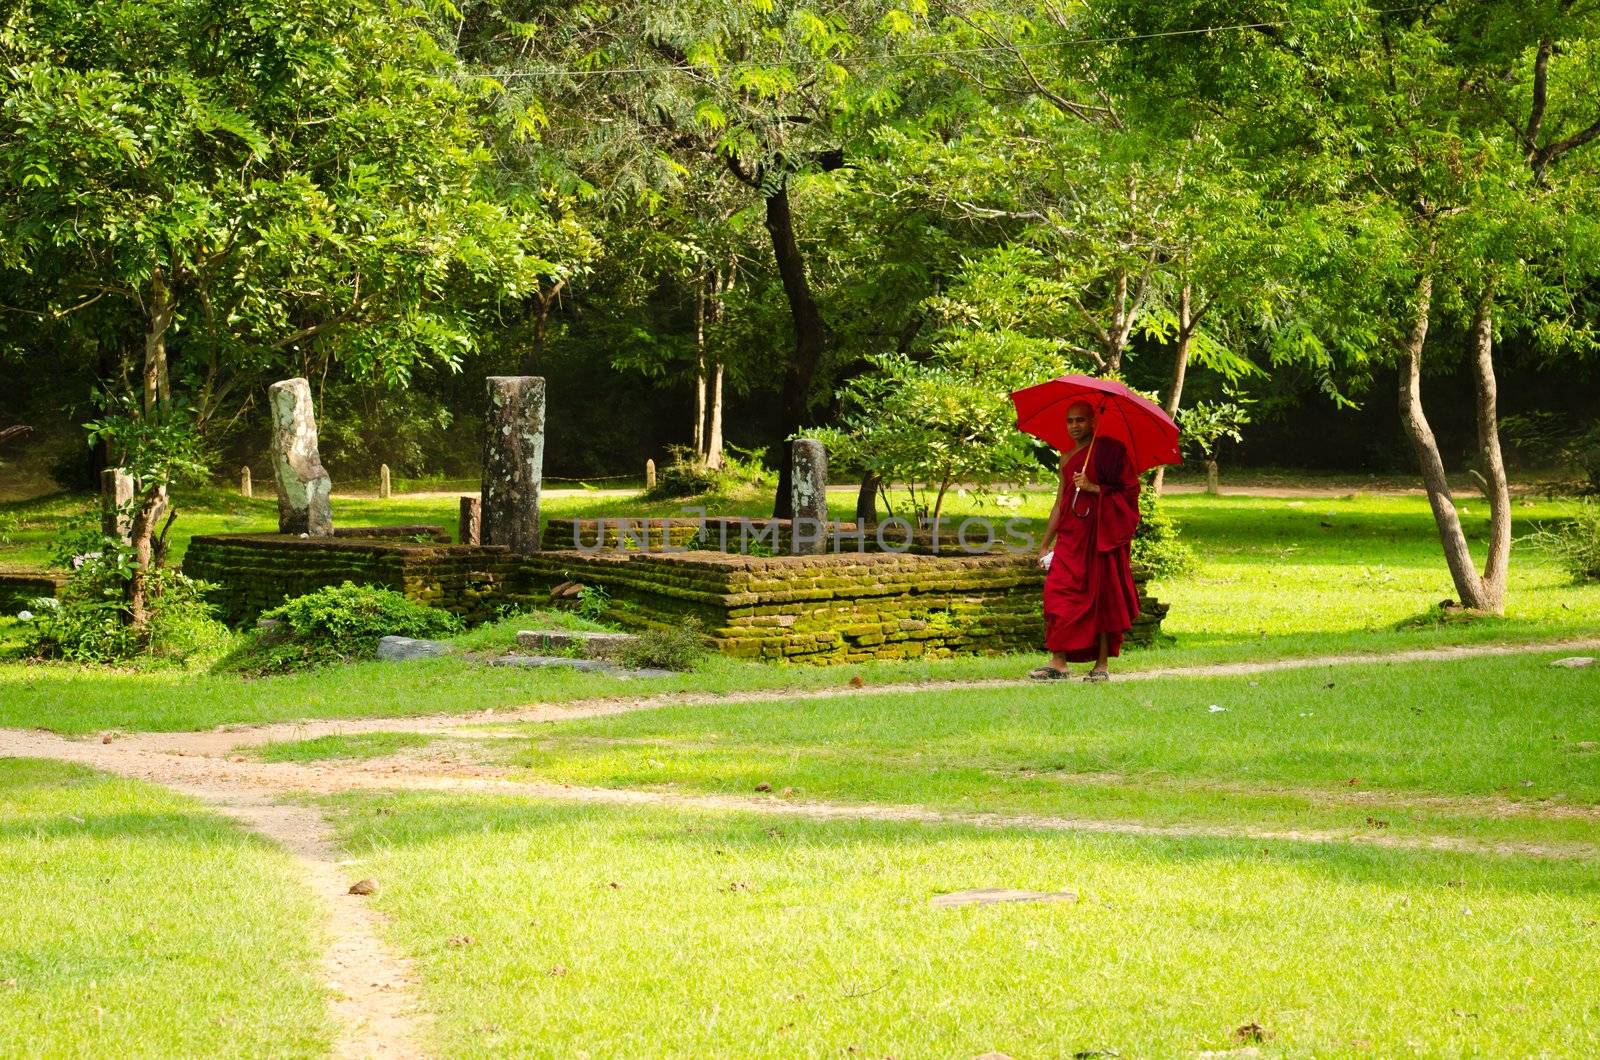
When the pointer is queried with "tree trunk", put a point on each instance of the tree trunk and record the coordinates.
(158, 318)
(867, 500)
(1180, 368)
(1469, 587)
(700, 450)
(142, 534)
(1213, 477)
(809, 337)
(1494, 467)
(714, 433)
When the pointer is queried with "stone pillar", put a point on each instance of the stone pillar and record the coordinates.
(304, 488)
(383, 482)
(513, 461)
(246, 487)
(116, 495)
(808, 494)
(469, 530)
(649, 474)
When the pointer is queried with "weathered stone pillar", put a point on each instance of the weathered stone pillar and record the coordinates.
(304, 488)
(246, 487)
(808, 494)
(513, 461)
(469, 528)
(383, 482)
(649, 474)
(116, 495)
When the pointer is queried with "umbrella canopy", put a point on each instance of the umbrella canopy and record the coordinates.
(1142, 426)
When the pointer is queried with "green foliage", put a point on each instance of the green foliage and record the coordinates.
(333, 625)
(593, 603)
(685, 474)
(1574, 542)
(90, 622)
(677, 647)
(1155, 543)
(1203, 425)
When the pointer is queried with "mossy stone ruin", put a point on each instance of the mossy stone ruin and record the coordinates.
(857, 593)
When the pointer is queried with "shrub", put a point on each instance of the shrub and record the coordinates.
(593, 603)
(336, 624)
(685, 475)
(1575, 543)
(677, 647)
(90, 622)
(1155, 543)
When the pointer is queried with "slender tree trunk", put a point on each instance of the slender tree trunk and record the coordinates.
(158, 318)
(1180, 368)
(1494, 466)
(1469, 587)
(809, 337)
(714, 433)
(141, 533)
(700, 450)
(867, 499)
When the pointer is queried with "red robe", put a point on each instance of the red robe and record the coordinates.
(1090, 590)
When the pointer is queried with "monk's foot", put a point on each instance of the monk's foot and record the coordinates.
(1098, 674)
(1047, 673)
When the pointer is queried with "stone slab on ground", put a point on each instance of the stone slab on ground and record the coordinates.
(998, 896)
(586, 644)
(1574, 661)
(588, 665)
(400, 649)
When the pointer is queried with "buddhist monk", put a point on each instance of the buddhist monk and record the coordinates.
(1090, 600)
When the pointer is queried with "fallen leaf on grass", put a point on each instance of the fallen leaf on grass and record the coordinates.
(738, 885)
(856, 682)
(368, 886)
(1214, 709)
(1251, 1032)
(1373, 822)
(458, 941)
(785, 793)
(614, 885)
(1353, 782)
(557, 970)
(763, 786)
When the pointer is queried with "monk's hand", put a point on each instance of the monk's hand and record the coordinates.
(1081, 480)
(1045, 558)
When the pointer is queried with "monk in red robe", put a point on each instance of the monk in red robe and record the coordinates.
(1090, 600)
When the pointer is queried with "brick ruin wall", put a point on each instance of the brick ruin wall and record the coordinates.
(837, 607)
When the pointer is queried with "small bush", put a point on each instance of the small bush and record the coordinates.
(336, 624)
(1155, 542)
(684, 475)
(90, 622)
(593, 603)
(1575, 543)
(677, 647)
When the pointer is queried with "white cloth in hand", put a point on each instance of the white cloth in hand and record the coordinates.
(1044, 560)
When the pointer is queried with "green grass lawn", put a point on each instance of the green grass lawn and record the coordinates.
(560, 930)
(1402, 750)
(138, 925)
(1274, 581)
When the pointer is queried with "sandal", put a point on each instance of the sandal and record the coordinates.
(1097, 675)
(1047, 673)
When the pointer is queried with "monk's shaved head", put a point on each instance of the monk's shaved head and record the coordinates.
(1082, 408)
(1080, 421)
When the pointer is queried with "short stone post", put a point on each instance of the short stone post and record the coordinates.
(116, 497)
(469, 529)
(246, 487)
(383, 482)
(304, 488)
(649, 474)
(513, 462)
(808, 495)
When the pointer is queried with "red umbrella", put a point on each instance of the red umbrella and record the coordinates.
(1142, 426)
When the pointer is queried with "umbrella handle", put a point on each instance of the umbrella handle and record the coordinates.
(1087, 463)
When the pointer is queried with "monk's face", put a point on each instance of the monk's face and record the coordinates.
(1080, 423)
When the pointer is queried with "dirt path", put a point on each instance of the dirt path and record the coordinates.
(220, 741)
(373, 989)
(209, 775)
